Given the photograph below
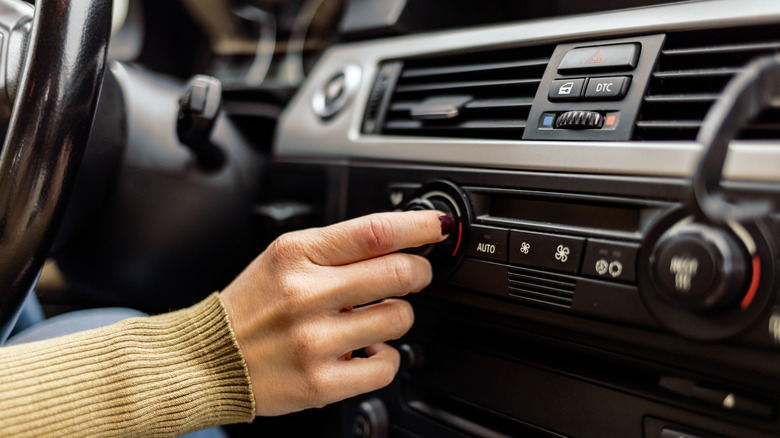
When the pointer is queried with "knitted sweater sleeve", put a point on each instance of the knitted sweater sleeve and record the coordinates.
(162, 375)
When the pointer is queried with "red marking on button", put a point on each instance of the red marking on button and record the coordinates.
(610, 120)
(595, 59)
(460, 235)
(751, 293)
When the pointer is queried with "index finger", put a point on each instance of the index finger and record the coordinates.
(373, 236)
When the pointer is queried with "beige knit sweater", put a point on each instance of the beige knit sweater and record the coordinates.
(163, 375)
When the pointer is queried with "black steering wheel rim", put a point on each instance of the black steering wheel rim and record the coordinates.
(47, 135)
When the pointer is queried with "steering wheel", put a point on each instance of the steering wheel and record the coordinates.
(64, 56)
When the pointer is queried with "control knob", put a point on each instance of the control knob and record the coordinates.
(699, 268)
(579, 120)
(446, 197)
(442, 248)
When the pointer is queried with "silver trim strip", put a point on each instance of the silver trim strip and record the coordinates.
(302, 133)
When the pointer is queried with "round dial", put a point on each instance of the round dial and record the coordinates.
(699, 268)
(703, 281)
(446, 197)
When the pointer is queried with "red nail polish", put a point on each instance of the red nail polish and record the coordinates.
(447, 224)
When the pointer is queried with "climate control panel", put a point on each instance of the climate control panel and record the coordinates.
(650, 265)
(615, 283)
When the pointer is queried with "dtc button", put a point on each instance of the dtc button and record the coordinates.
(488, 243)
(607, 88)
(548, 251)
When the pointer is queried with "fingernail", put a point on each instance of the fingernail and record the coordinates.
(447, 224)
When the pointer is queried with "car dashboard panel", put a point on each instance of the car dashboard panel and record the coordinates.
(585, 292)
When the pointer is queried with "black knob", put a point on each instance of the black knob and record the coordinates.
(699, 268)
(371, 420)
(442, 248)
(411, 356)
(579, 120)
(449, 199)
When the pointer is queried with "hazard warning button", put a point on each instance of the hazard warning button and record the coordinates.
(612, 57)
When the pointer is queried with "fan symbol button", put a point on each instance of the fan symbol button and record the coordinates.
(525, 248)
(562, 253)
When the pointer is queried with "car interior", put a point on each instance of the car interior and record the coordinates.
(612, 166)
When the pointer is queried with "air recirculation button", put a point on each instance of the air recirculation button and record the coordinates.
(579, 120)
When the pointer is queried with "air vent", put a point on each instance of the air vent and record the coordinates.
(693, 70)
(475, 95)
(538, 287)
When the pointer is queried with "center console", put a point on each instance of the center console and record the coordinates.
(579, 303)
(613, 269)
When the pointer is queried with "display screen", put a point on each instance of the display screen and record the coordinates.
(567, 213)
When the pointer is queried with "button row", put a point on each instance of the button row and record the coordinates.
(547, 251)
(612, 88)
(600, 258)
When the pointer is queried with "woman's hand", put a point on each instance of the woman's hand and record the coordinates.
(292, 308)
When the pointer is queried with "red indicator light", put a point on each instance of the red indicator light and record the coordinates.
(460, 236)
(751, 293)
(610, 121)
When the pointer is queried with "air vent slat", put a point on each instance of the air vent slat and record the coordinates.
(755, 47)
(403, 106)
(536, 273)
(494, 124)
(404, 124)
(497, 88)
(541, 287)
(467, 84)
(681, 98)
(500, 103)
(540, 298)
(700, 73)
(666, 124)
(473, 124)
(441, 71)
(558, 284)
(524, 102)
(693, 70)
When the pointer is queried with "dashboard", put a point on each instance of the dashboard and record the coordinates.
(613, 167)
(614, 268)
